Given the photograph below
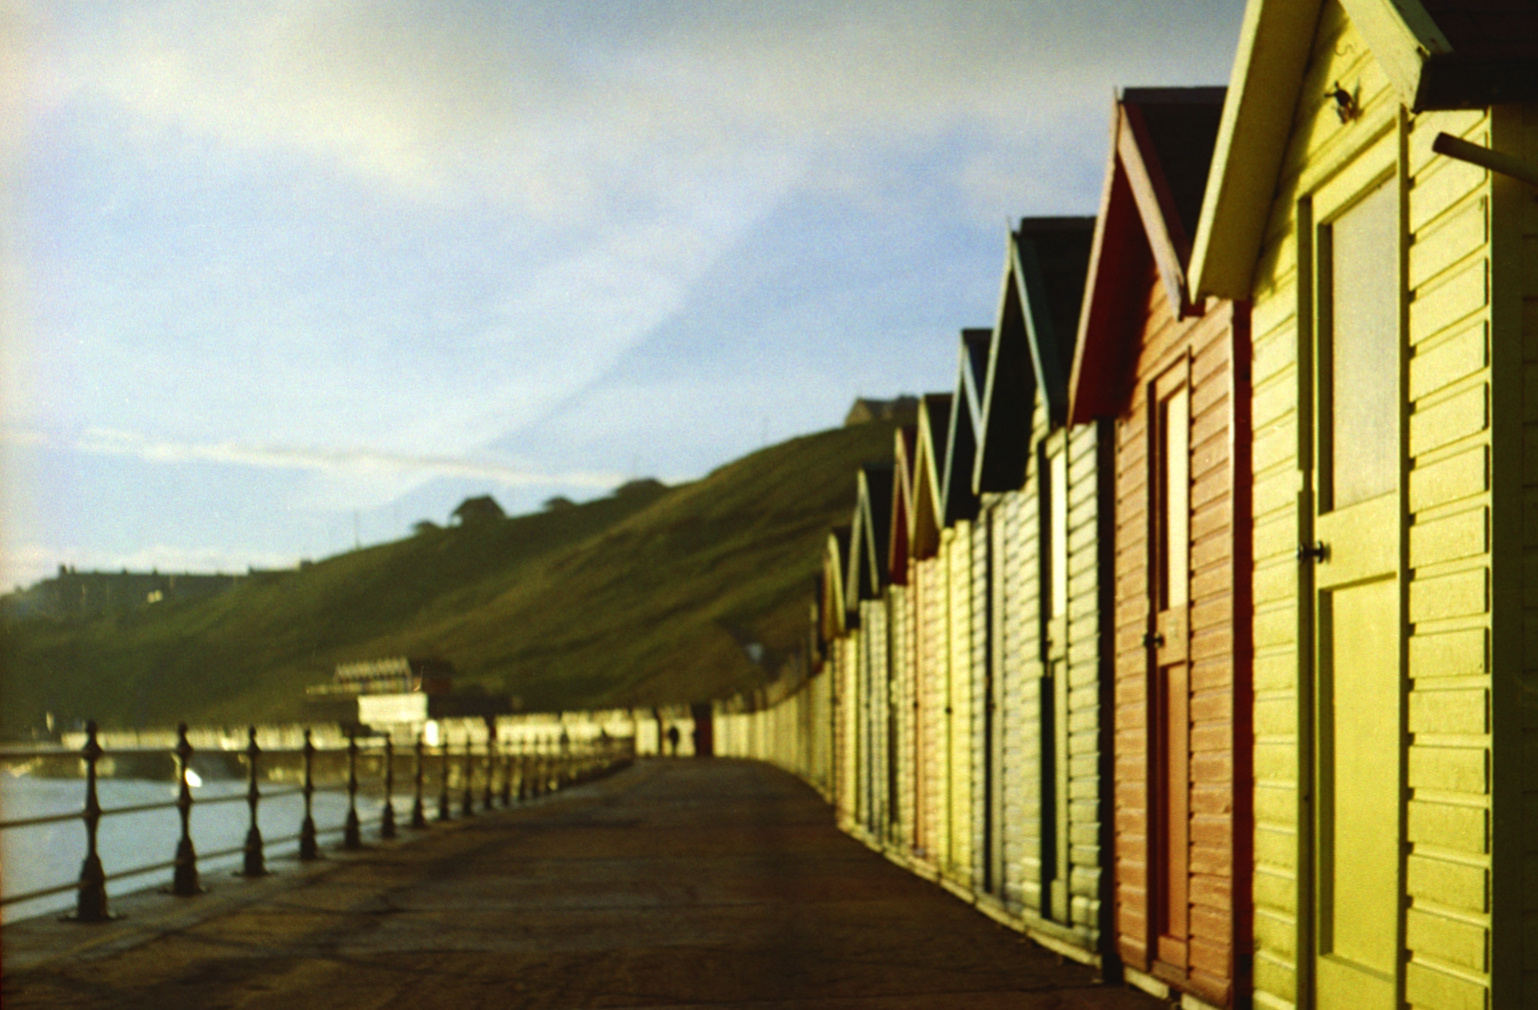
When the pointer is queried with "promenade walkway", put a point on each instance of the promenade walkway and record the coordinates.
(672, 884)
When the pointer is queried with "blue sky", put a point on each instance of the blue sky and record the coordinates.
(276, 275)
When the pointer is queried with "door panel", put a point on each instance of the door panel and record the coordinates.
(1358, 743)
(1170, 718)
(1358, 619)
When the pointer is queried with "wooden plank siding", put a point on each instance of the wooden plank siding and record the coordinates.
(900, 600)
(1089, 497)
(875, 647)
(1020, 626)
(1517, 130)
(981, 730)
(932, 579)
(957, 550)
(1218, 706)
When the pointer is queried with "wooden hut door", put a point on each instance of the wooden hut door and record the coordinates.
(1053, 696)
(1357, 620)
(1170, 648)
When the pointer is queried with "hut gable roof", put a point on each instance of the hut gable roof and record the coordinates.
(900, 524)
(1161, 150)
(834, 563)
(1031, 344)
(870, 534)
(1439, 54)
(957, 499)
(929, 457)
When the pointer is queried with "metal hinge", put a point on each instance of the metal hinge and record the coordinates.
(1316, 553)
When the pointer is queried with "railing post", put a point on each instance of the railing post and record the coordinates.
(564, 761)
(91, 906)
(351, 837)
(418, 814)
(255, 864)
(445, 811)
(308, 848)
(487, 792)
(184, 881)
(467, 801)
(387, 818)
(507, 774)
(523, 768)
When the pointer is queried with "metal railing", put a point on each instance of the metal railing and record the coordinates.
(514, 770)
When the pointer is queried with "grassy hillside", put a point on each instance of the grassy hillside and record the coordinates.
(641, 599)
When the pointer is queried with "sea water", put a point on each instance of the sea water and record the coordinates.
(32, 858)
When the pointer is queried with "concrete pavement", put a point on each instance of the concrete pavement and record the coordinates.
(672, 884)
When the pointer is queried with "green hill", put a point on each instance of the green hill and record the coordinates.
(643, 598)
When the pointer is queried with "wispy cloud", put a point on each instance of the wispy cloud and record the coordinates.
(360, 461)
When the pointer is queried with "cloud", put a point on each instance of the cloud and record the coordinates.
(360, 462)
(559, 112)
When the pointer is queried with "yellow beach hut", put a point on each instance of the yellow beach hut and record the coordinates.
(929, 582)
(1395, 334)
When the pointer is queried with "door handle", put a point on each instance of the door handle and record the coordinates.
(1153, 640)
(1318, 552)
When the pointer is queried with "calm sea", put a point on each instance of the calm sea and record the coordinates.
(37, 857)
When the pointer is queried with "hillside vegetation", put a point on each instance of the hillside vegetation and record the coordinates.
(644, 598)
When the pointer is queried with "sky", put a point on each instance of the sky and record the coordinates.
(279, 278)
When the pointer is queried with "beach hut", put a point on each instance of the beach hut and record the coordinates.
(902, 608)
(928, 581)
(867, 583)
(1393, 328)
(966, 638)
(839, 667)
(1044, 512)
(1174, 375)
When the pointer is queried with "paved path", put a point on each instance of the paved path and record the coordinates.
(676, 883)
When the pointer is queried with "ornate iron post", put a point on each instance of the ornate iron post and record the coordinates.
(418, 814)
(387, 818)
(308, 849)
(184, 880)
(255, 864)
(351, 837)
(91, 906)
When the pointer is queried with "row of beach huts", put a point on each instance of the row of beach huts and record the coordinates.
(1194, 632)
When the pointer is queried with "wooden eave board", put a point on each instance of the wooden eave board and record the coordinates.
(1263, 90)
(1003, 448)
(900, 524)
(1161, 152)
(957, 501)
(929, 464)
(1051, 262)
(853, 569)
(834, 555)
(1488, 54)
(873, 511)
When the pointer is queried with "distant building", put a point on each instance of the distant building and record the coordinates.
(75, 595)
(478, 510)
(398, 690)
(904, 409)
(638, 486)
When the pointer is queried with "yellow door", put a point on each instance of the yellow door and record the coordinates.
(1358, 623)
